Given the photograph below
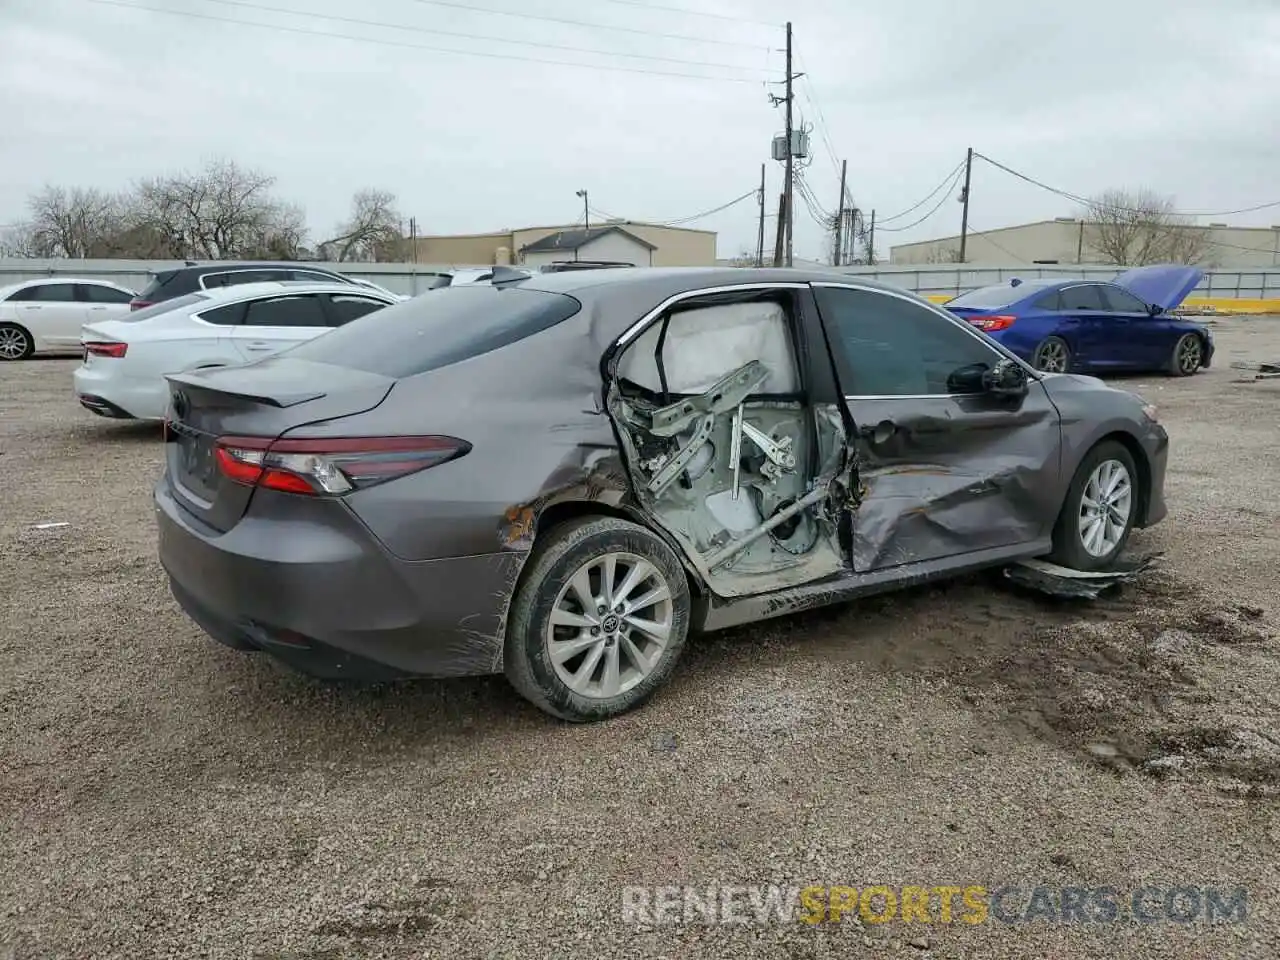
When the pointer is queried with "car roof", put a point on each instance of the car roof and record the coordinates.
(670, 281)
(216, 265)
(250, 291)
(46, 281)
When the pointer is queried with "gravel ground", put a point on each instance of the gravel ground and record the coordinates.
(162, 796)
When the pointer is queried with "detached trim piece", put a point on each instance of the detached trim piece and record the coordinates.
(1070, 584)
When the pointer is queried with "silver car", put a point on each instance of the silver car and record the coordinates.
(560, 476)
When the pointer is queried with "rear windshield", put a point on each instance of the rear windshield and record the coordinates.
(146, 313)
(450, 325)
(157, 284)
(1000, 296)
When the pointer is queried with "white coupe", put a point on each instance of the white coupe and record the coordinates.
(126, 360)
(44, 315)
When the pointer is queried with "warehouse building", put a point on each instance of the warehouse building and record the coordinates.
(642, 244)
(1067, 240)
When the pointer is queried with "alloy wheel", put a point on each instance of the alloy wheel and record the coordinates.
(13, 344)
(1189, 351)
(1105, 506)
(610, 625)
(1052, 357)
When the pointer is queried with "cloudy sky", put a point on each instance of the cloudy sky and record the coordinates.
(487, 114)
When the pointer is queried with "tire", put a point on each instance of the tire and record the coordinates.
(1187, 356)
(569, 552)
(15, 342)
(1053, 349)
(1069, 533)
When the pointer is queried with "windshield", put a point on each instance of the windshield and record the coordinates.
(451, 325)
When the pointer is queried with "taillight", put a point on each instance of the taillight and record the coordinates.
(140, 304)
(334, 466)
(105, 349)
(990, 324)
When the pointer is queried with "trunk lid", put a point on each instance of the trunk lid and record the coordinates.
(1165, 285)
(262, 399)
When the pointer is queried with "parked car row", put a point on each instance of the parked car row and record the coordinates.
(529, 472)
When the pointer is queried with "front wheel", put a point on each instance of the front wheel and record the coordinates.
(599, 621)
(1100, 510)
(15, 342)
(1052, 356)
(1188, 355)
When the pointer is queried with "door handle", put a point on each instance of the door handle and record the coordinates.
(34, 307)
(97, 308)
(257, 345)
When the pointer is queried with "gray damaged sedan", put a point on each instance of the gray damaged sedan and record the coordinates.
(561, 476)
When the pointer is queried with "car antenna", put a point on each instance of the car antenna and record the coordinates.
(505, 274)
(1015, 282)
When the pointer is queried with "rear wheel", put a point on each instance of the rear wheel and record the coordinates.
(1188, 355)
(15, 342)
(1052, 356)
(1100, 509)
(599, 620)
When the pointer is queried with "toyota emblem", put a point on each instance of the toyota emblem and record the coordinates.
(181, 405)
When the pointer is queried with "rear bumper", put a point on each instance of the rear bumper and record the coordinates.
(107, 392)
(328, 600)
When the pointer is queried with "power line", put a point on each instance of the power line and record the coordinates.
(591, 26)
(946, 195)
(694, 13)
(679, 220)
(419, 46)
(927, 197)
(475, 36)
(1110, 206)
(988, 239)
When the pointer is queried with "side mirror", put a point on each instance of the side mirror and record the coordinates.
(1005, 379)
(1155, 309)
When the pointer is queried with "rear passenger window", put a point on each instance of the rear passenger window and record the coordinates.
(1050, 301)
(97, 293)
(346, 308)
(304, 311)
(1084, 297)
(232, 315)
(237, 277)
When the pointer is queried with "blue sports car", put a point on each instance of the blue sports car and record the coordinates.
(1085, 326)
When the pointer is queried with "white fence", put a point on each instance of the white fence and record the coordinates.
(408, 278)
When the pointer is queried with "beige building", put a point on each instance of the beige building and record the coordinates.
(1068, 240)
(644, 244)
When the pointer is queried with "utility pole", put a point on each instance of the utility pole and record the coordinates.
(871, 242)
(844, 169)
(788, 188)
(1080, 242)
(780, 237)
(964, 198)
(586, 219)
(760, 237)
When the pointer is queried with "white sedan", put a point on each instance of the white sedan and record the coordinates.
(40, 315)
(126, 360)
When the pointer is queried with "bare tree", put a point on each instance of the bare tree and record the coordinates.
(19, 240)
(371, 233)
(74, 222)
(1139, 227)
(223, 211)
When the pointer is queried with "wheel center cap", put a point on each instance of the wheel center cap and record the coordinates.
(610, 623)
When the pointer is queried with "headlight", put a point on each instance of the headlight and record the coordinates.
(1149, 411)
